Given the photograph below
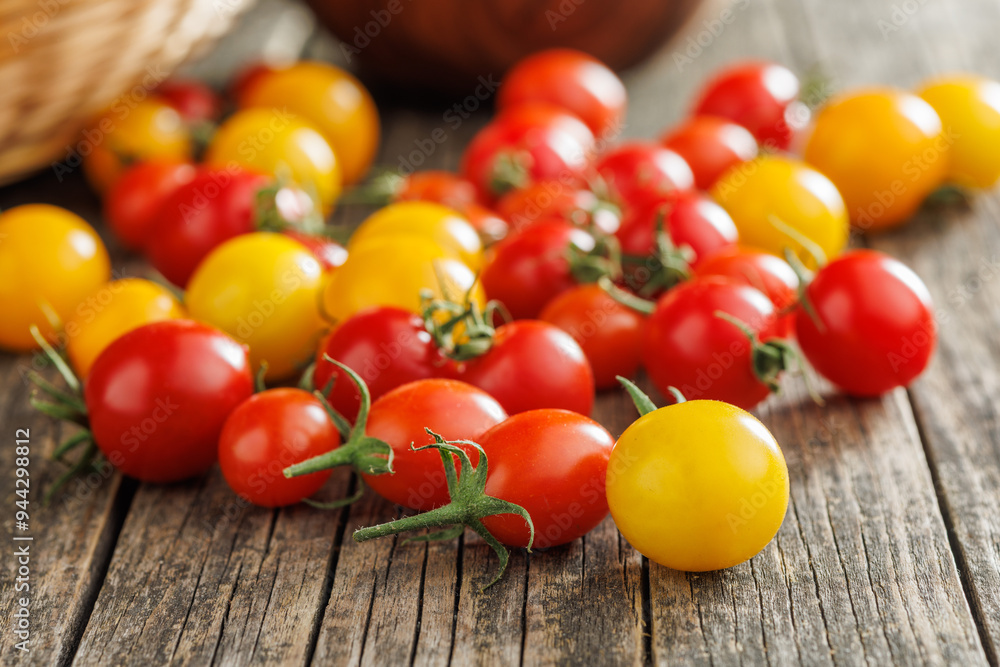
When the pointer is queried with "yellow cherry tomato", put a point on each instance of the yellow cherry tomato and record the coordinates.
(884, 149)
(697, 486)
(969, 107)
(50, 260)
(392, 271)
(124, 134)
(432, 221)
(277, 142)
(112, 310)
(262, 289)
(333, 100)
(780, 202)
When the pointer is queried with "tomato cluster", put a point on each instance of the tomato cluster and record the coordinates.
(450, 350)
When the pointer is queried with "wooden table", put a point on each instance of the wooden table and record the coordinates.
(890, 551)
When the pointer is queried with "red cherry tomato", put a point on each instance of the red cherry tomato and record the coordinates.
(387, 347)
(269, 432)
(328, 252)
(452, 409)
(572, 80)
(158, 397)
(135, 200)
(441, 187)
(553, 463)
(248, 77)
(689, 347)
(527, 143)
(711, 146)
(637, 170)
(689, 218)
(215, 206)
(552, 199)
(756, 268)
(761, 97)
(525, 271)
(534, 365)
(878, 330)
(491, 227)
(609, 333)
(193, 100)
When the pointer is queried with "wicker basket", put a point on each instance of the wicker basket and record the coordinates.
(63, 61)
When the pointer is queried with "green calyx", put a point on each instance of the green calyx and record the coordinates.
(626, 298)
(510, 172)
(66, 406)
(669, 264)
(603, 260)
(365, 454)
(469, 505)
(769, 359)
(381, 189)
(643, 403)
(462, 331)
(805, 276)
(269, 216)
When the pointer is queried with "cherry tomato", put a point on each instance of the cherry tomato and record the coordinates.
(263, 289)
(112, 310)
(969, 108)
(269, 432)
(711, 146)
(328, 252)
(387, 347)
(249, 76)
(552, 199)
(533, 365)
(639, 170)
(525, 271)
(50, 260)
(884, 149)
(193, 100)
(688, 346)
(552, 463)
(158, 396)
(609, 333)
(452, 409)
(150, 129)
(526, 143)
(213, 207)
(778, 202)
(875, 330)
(697, 486)
(441, 187)
(572, 80)
(761, 97)
(274, 141)
(135, 200)
(434, 222)
(762, 270)
(393, 271)
(491, 227)
(328, 97)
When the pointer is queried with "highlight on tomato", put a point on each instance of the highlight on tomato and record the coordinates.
(711, 146)
(136, 199)
(636, 171)
(697, 486)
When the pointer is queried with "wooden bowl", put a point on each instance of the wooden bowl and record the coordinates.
(449, 44)
(63, 62)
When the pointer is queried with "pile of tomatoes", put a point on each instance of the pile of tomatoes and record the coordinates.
(469, 321)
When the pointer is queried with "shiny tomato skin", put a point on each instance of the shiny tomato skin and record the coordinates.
(688, 347)
(878, 328)
(756, 268)
(526, 270)
(637, 170)
(609, 333)
(158, 397)
(269, 432)
(193, 100)
(756, 95)
(134, 201)
(387, 347)
(554, 464)
(533, 365)
(544, 141)
(452, 409)
(215, 206)
(440, 187)
(572, 80)
(327, 252)
(542, 200)
(711, 146)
